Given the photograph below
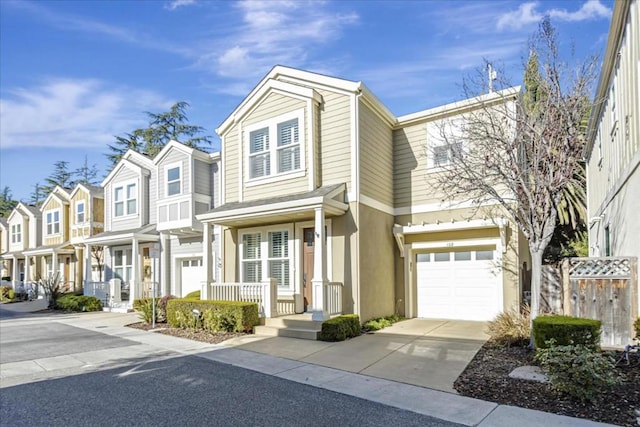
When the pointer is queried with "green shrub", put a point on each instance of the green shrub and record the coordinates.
(144, 307)
(340, 328)
(215, 316)
(636, 326)
(78, 303)
(566, 330)
(578, 370)
(512, 327)
(193, 295)
(381, 322)
(5, 292)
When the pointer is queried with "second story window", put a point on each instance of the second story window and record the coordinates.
(125, 200)
(444, 155)
(275, 147)
(16, 233)
(80, 215)
(53, 222)
(173, 181)
(259, 155)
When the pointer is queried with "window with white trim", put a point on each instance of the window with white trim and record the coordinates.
(125, 200)
(251, 259)
(267, 254)
(53, 222)
(275, 147)
(444, 155)
(279, 257)
(16, 233)
(173, 174)
(445, 142)
(80, 214)
(122, 264)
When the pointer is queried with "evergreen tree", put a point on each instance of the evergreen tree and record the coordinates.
(162, 128)
(38, 195)
(6, 202)
(61, 176)
(86, 174)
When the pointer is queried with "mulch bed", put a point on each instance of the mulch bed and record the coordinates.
(191, 334)
(487, 378)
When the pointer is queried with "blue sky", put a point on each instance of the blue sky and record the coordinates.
(75, 73)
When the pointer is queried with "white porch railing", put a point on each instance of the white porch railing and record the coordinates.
(100, 290)
(265, 294)
(333, 298)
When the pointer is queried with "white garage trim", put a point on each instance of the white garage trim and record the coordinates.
(410, 268)
(176, 262)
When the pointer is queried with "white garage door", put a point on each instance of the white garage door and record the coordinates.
(464, 285)
(191, 275)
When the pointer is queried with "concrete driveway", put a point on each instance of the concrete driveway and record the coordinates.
(423, 352)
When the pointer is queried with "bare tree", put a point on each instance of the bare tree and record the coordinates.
(520, 151)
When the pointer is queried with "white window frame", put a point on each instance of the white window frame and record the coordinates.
(264, 252)
(435, 140)
(84, 212)
(272, 126)
(50, 221)
(167, 168)
(126, 266)
(125, 201)
(16, 233)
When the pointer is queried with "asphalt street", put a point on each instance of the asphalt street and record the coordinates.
(162, 388)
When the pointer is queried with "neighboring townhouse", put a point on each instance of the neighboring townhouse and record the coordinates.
(150, 231)
(4, 247)
(323, 188)
(613, 145)
(55, 255)
(129, 227)
(25, 227)
(86, 220)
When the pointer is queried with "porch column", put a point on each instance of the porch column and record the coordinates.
(165, 264)
(14, 272)
(319, 280)
(134, 283)
(27, 269)
(54, 263)
(207, 262)
(87, 264)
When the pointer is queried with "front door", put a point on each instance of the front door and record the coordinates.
(307, 267)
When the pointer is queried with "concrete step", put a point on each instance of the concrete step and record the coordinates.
(271, 331)
(299, 322)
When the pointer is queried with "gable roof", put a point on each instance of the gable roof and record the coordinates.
(58, 193)
(302, 84)
(24, 209)
(175, 145)
(126, 162)
(92, 190)
(4, 223)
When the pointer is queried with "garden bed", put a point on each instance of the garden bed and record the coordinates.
(487, 378)
(191, 334)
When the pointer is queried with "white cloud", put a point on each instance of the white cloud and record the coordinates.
(527, 14)
(178, 3)
(592, 9)
(517, 19)
(273, 32)
(73, 113)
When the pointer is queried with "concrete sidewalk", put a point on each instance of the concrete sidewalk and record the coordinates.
(438, 404)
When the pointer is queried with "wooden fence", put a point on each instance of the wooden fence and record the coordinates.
(605, 289)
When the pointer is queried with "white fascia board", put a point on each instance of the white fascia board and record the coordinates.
(459, 106)
(24, 210)
(122, 163)
(378, 106)
(260, 92)
(138, 159)
(309, 77)
(172, 145)
(54, 195)
(449, 226)
(78, 188)
(215, 156)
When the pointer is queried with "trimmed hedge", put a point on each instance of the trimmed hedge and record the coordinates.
(340, 328)
(566, 330)
(215, 316)
(193, 295)
(70, 302)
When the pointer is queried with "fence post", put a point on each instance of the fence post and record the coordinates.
(205, 291)
(114, 289)
(564, 273)
(269, 297)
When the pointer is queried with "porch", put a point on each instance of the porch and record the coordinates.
(117, 296)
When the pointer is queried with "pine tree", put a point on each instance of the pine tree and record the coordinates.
(6, 202)
(61, 176)
(86, 174)
(38, 195)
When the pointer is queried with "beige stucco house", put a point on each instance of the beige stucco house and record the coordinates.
(324, 190)
(613, 148)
